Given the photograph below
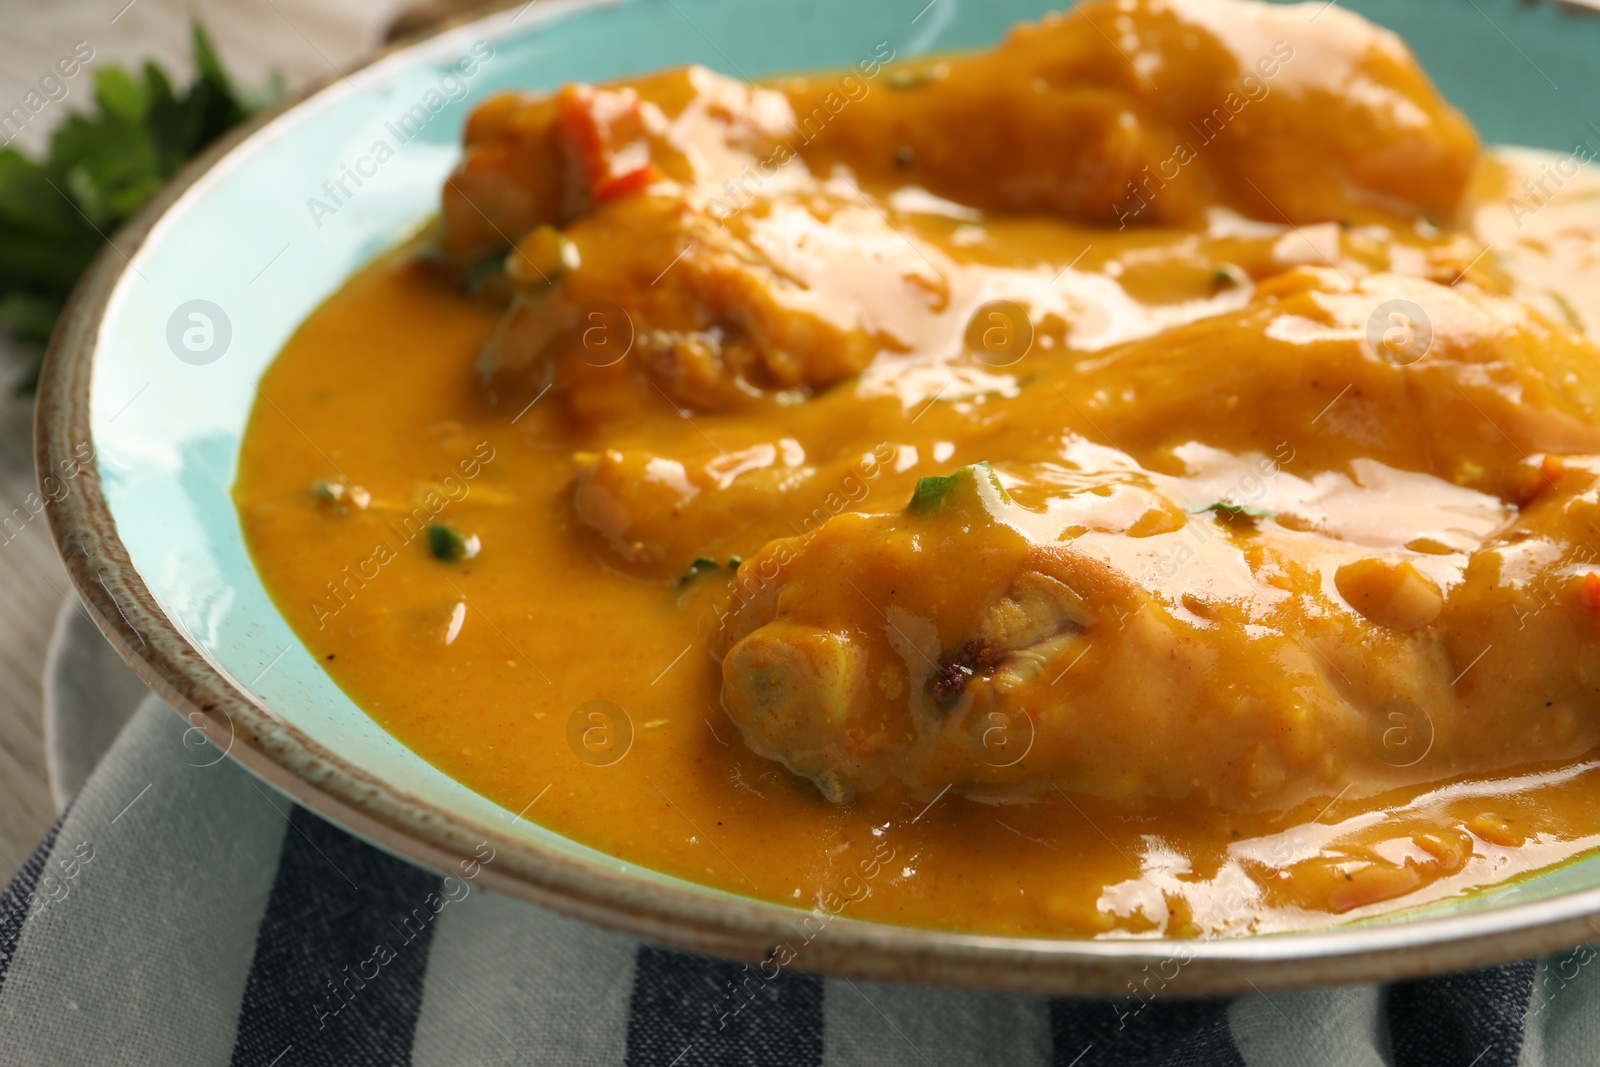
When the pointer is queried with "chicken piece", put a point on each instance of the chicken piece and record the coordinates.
(653, 290)
(961, 644)
(1483, 383)
(1149, 111)
(1523, 628)
(657, 513)
(943, 646)
(709, 314)
(548, 158)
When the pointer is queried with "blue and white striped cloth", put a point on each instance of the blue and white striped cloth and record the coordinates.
(181, 914)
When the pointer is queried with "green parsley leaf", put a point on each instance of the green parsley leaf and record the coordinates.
(484, 272)
(702, 565)
(1231, 513)
(56, 212)
(450, 545)
(936, 491)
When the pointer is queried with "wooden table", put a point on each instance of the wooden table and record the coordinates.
(33, 585)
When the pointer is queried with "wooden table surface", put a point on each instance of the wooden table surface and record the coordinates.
(33, 585)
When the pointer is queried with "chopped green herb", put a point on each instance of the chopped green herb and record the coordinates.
(340, 496)
(101, 166)
(932, 491)
(936, 491)
(451, 545)
(1231, 513)
(733, 562)
(1228, 276)
(702, 565)
(482, 272)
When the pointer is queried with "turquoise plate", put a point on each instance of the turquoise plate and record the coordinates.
(250, 238)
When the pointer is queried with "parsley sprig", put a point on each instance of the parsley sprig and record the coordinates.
(57, 211)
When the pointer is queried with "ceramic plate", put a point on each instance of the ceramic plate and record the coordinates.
(249, 237)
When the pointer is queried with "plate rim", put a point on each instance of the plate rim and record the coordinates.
(744, 929)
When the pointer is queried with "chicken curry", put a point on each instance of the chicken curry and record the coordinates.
(1132, 481)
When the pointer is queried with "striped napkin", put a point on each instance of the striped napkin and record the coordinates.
(183, 912)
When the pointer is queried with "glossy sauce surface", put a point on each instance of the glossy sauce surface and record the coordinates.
(1319, 551)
